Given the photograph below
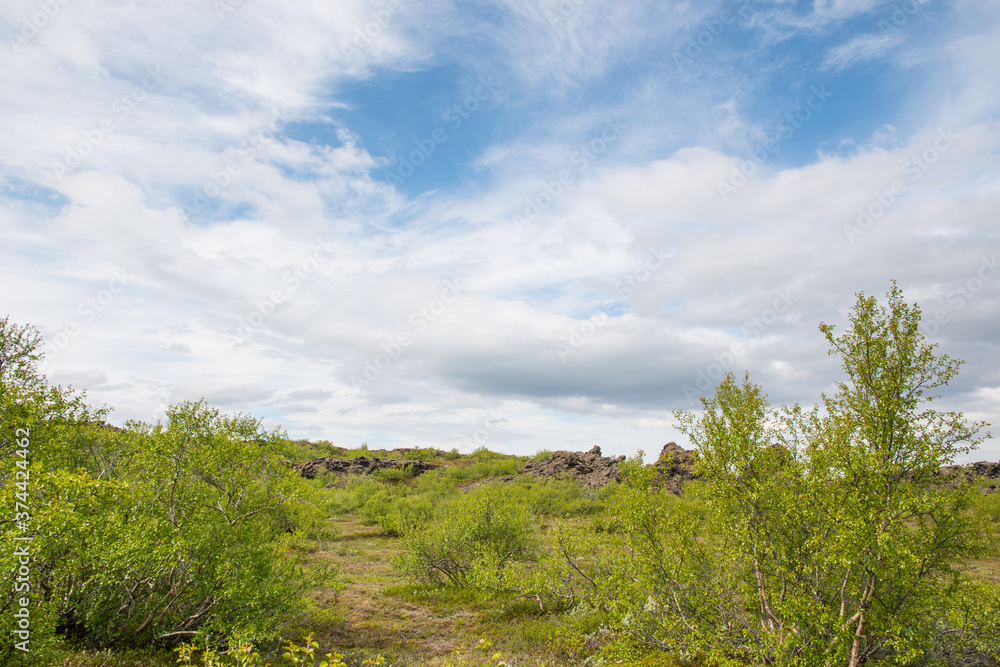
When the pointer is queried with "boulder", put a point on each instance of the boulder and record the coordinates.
(676, 462)
(588, 468)
(674, 466)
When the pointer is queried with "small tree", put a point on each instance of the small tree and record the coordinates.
(901, 533)
(845, 544)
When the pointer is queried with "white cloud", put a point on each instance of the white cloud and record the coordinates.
(862, 49)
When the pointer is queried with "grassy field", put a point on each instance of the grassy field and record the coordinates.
(368, 609)
(373, 610)
(365, 607)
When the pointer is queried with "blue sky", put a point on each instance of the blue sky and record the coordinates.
(515, 224)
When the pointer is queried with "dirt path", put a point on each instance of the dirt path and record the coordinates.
(379, 612)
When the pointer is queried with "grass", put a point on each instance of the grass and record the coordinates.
(394, 474)
(380, 612)
(364, 606)
(368, 608)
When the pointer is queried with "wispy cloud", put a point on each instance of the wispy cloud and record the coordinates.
(861, 49)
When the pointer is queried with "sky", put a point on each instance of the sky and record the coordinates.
(515, 224)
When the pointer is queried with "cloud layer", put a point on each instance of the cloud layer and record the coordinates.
(519, 225)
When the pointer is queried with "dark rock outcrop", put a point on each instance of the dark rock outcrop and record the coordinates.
(980, 469)
(971, 472)
(675, 461)
(674, 466)
(588, 468)
(361, 465)
(985, 469)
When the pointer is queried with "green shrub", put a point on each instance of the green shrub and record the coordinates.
(357, 490)
(391, 507)
(145, 534)
(328, 449)
(483, 469)
(472, 541)
(180, 533)
(195, 532)
(363, 451)
(483, 454)
(987, 508)
(396, 512)
(556, 497)
(425, 454)
(394, 474)
(495, 468)
(458, 473)
(242, 654)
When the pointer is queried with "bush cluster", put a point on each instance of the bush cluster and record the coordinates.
(144, 535)
(472, 541)
(413, 502)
